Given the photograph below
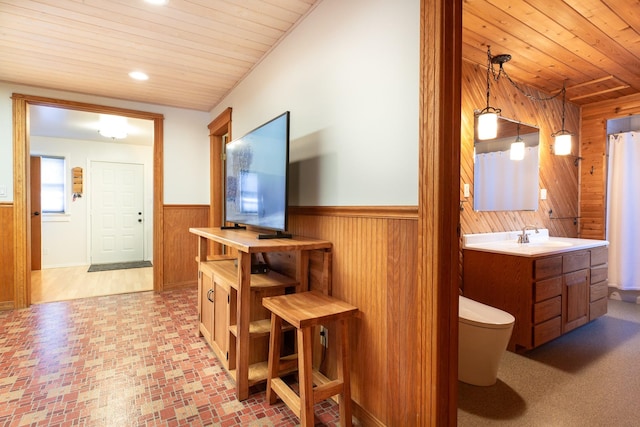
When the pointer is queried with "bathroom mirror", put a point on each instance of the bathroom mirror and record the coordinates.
(500, 183)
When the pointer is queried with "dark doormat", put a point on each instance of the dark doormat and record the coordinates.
(119, 266)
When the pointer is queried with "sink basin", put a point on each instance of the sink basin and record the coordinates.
(548, 244)
(551, 244)
(541, 243)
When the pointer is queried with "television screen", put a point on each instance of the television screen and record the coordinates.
(256, 176)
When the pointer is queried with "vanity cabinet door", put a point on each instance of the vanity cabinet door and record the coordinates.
(575, 299)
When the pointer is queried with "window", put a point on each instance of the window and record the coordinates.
(52, 180)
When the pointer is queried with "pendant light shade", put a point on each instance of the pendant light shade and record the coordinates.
(487, 125)
(488, 117)
(562, 144)
(517, 149)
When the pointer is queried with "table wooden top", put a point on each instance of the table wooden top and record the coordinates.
(304, 309)
(247, 241)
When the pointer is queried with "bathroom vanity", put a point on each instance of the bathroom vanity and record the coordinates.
(550, 285)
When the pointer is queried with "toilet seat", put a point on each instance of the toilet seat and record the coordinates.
(481, 315)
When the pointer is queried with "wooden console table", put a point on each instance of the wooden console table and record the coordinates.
(231, 275)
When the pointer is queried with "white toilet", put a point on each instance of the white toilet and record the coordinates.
(484, 333)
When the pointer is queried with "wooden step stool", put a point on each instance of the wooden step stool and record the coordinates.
(305, 310)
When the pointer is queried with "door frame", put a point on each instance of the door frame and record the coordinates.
(21, 183)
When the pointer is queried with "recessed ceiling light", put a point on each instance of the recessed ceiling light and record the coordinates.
(138, 75)
(157, 2)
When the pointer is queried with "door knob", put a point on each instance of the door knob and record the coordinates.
(36, 213)
(140, 220)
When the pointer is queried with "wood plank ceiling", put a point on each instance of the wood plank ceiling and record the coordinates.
(592, 45)
(196, 51)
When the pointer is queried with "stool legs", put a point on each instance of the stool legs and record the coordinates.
(343, 373)
(274, 356)
(305, 374)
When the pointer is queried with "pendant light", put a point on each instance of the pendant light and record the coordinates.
(488, 116)
(562, 143)
(517, 147)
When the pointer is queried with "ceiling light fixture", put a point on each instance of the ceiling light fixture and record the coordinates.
(488, 116)
(114, 127)
(157, 2)
(562, 143)
(139, 75)
(517, 147)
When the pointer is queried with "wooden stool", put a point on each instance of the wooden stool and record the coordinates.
(304, 311)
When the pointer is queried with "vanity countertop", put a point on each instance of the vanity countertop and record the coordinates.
(540, 243)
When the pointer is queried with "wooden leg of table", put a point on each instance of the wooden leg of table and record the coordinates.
(305, 374)
(243, 317)
(343, 374)
(274, 356)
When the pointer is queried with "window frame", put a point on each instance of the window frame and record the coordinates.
(65, 187)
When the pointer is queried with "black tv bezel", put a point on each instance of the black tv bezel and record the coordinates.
(280, 232)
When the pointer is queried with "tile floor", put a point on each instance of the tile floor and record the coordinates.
(123, 360)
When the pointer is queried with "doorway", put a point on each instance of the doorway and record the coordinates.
(22, 203)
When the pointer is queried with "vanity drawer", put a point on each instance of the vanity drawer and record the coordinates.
(575, 261)
(547, 331)
(598, 291)
(545, 310)
(545, 289)
(597, 308)
(599, 274)
(547, 267)
(599, 255)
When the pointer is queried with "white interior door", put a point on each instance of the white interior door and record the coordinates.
(117, 220)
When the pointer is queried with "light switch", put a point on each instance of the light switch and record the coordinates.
(543, 194)
(466, 190)
(3, 191)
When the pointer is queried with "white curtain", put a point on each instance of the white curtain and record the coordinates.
(623, 210)
(502, 184)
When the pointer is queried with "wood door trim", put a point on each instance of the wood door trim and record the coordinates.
(218, 127)
(438, 207)
(21, 181)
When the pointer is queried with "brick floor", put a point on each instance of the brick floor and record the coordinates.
(123, 360)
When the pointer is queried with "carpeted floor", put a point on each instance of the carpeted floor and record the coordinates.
(588, 377)
(118, 266)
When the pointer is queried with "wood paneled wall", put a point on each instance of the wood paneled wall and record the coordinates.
(180, 251)
(6, 257)
(594, 152)
(374, 268)
(558, 174)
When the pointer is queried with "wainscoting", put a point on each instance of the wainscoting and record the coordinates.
(374, 268)
(180, 246)
(6, 257)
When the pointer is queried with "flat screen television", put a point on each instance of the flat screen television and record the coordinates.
(256, 178)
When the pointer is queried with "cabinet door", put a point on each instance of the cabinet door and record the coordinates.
(575, 298)
(205, 325)
(220, 339)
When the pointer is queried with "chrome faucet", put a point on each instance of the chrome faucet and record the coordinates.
(524, 237)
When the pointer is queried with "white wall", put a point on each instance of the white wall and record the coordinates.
(66, 239)
(349, 74)
(186, 143)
